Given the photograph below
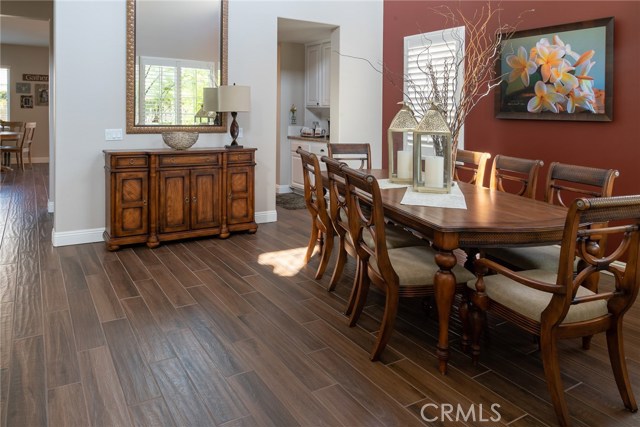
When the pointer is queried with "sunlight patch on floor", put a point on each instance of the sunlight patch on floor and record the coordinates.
(285, 263)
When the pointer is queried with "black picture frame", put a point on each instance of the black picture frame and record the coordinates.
(575, 41)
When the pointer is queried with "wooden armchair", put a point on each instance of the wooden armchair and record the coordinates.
(558, 305)
(399, 272)
(523, 172)
(564, 184)
(350, 153)
(396, 237)
(471, 165)
(321, 228)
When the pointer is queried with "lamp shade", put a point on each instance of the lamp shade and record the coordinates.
(234, 98)
(210, 96)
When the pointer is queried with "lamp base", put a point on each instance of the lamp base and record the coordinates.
(234, 130)
(233, 146)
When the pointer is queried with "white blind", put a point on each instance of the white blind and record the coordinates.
(442, 51)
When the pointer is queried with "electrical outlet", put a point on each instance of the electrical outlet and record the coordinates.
(113, 134)
(240, 133)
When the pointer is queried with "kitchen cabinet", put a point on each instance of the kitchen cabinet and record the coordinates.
(317, 148)
(160, 195)
(318, 75)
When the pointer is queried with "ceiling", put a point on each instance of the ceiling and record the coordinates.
(294, 31)
(23, 31)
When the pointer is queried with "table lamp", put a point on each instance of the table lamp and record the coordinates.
(229, 99)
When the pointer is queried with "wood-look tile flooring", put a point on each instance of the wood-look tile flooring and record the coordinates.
(237, 333)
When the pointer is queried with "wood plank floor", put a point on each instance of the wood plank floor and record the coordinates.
(237, 333)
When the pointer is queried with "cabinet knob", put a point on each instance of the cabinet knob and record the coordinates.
(173, 160)
(186, 200)
(322, 150)
(130, 161)
(230, 195)
(195, 199)
(144, 202)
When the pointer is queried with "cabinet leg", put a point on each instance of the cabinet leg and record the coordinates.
(224, 235)
(112, 248)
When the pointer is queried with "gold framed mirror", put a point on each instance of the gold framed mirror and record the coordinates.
(175, 48)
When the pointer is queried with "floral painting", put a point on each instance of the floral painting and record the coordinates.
(558, 73)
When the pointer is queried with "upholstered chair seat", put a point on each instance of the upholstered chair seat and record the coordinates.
(531, 302)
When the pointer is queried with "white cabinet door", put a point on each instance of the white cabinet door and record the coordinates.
(297, 180)
(325, 76)
(312, 71)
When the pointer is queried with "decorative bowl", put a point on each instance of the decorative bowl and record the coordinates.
(180, 140)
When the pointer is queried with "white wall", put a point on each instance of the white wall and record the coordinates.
(90, 87)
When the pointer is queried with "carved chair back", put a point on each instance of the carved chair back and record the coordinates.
(313, 189)
(566, 182)
(524, 172)
(352, 152)
(472, 165)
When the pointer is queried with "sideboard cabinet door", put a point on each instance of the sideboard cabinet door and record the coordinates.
(173, 204)
(240, 201)
(206, 209)
(131, 208)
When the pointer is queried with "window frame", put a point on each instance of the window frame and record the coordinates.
(8, 89)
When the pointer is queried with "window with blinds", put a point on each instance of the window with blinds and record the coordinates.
(434, 56)
(172, 90)
(4, 94)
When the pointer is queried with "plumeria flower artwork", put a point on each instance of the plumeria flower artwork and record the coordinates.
(554, 77)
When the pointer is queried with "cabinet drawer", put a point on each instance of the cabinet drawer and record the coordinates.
(239, 157)
(131, 161)
(189, 159)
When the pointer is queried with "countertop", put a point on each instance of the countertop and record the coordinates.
(324, 139)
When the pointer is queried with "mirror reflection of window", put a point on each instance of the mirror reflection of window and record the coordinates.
(172, 90)
(4, 94)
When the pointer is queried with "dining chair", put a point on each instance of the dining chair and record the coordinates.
(14, 126)
(349, 153)
(556, 305)
(321, 228)
(396, 237)
(470, 166)
(522, 172)
(398, 272)
(23, 145)
(564, 184)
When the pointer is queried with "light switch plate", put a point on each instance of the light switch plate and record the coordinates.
(113, 134)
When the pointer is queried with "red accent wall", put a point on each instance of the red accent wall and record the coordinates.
(613, 144)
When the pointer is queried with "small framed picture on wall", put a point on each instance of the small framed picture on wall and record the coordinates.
(23, 87)
(26, 101)
(42, 94)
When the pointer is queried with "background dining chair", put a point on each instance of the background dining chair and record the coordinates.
(23, 145)
(555, 305)
(321, 228)
(398, 272)
(14, 126)
(351, 153)
(564, 184)
(522, 172)
(396, 237)
(470, 166)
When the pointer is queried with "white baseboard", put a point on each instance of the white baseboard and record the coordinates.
(76, 237)
(50, 206)
(267, 216)
(282, 189)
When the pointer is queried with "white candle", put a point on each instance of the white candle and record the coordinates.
(405, 169)
(434, 171)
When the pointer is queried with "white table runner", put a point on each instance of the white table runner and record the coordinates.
(453, 200)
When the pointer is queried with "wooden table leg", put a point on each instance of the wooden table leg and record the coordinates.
(445, 288)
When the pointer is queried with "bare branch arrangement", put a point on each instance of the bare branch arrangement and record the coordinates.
(469, 73)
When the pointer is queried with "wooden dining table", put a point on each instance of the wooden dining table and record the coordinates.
(492, 219)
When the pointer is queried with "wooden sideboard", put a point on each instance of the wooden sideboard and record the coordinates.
(159, 195)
